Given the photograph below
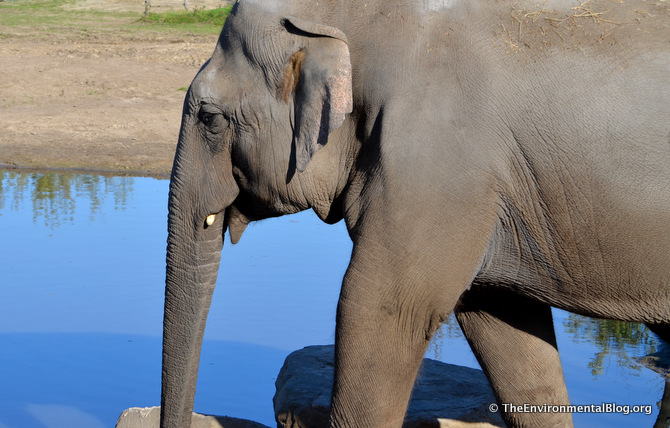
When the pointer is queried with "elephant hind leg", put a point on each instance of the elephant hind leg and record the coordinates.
(514, 341)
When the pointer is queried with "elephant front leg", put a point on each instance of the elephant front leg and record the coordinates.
(514, 341)
(387, 314)
(378, 354)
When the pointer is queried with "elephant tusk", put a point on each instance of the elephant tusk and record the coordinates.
(210, 219)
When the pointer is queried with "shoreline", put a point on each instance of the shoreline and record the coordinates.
(84, 171)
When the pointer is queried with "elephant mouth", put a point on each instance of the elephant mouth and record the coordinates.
(236, 223)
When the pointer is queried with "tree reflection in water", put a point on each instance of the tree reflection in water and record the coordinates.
(55, 195)
(620, 342)
(626, 342)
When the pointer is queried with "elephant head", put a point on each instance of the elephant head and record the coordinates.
(274, 90)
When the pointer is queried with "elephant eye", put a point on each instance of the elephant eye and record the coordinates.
(207, 118)
(216, 128)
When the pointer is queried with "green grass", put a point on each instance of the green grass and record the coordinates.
(199, 16)
(36, 5)
(44, 17)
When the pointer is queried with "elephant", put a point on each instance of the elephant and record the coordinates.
(493, 159)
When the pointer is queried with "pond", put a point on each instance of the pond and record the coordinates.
(82, 268)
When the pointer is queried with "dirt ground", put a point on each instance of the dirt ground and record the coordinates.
(99, 99)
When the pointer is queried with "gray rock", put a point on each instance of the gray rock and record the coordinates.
(444, 395)
(149, 417)
(658, 361)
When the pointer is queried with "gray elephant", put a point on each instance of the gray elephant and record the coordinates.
(492, 158)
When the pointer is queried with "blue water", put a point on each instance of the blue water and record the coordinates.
(82, 268)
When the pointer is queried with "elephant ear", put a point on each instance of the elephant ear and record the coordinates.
(319, 77)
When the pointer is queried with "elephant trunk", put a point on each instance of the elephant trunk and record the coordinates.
(193, 257)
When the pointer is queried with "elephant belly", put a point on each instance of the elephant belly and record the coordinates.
(601, 262)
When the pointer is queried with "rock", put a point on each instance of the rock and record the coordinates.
(658, 361)
(149, 417)
(444, 395)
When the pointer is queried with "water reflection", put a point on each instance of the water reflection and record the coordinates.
(55, 195)
(444, 337)
(618, 341)
(94, 305)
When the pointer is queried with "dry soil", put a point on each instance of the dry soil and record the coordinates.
(101, 99)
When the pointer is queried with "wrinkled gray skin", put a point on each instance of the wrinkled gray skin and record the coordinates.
(488, 158)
